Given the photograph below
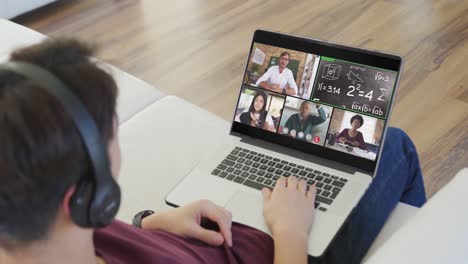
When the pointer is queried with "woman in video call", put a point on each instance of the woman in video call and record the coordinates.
(352, 136)
(257, 116)
(42, 160)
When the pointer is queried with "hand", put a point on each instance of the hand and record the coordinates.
(255, 121)
(290, 91)
(289, 208)
(276, 88)
(185, 221)
(355, 143)
(253, 117)
(342, 139)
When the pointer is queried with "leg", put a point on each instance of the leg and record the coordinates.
(398, 179)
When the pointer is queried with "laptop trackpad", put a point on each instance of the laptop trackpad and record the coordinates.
(247, 209)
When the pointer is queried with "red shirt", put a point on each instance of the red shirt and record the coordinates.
(359, 138)
(123, 243)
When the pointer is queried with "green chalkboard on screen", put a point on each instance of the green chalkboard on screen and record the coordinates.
(353, 86)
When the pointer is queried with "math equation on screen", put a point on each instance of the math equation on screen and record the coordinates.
(354, 87)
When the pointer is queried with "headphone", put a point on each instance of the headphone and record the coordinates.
(96, 199)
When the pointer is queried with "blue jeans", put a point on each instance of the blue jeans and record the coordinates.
(398, 179)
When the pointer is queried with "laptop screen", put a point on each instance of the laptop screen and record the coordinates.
(316, 100)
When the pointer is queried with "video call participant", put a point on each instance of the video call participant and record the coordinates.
(279, 78)
(304, 121)
(352, 136)
(257, 116)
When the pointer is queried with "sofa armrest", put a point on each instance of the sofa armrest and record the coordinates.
(401, 215)
(438, 233)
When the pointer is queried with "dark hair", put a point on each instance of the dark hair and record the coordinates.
(245, 117)
(265, 98)
(359, 118)
(306, 102)
(41, 152)
(284, 53)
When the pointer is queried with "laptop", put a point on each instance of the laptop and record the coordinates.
(309, 108)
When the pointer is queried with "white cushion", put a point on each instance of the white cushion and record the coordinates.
(160, 145)
(438, 233)
(12, 8)
(134, 94)
(16, 36)
(399, 217)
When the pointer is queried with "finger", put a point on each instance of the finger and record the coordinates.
(302, 186)
(280, 183)
(210, 237)
(292, 182)
(312, 192)
(266, 193)
(253, 116)
(227, 213)
(215, 213)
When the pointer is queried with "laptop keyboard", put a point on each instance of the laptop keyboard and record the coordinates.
(257, 170)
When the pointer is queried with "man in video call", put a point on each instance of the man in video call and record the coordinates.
(303, 121)
(278, 78)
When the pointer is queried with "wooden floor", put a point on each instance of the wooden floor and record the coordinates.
(197, 50)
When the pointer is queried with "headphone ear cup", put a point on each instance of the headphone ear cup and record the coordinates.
(105, 204)
(80, 203)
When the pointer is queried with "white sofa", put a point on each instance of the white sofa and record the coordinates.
(158, 150)
(12, 8)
